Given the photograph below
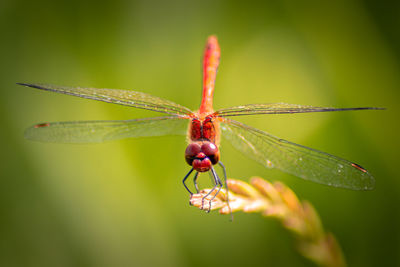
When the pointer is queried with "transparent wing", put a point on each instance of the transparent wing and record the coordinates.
(301, 161)
(277, 108)
(117, 96)
(100, 131)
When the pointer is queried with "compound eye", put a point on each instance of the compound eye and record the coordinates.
(211, 151)
(192, 150)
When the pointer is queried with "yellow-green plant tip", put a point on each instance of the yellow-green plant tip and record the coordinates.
(311, 216)
(197, 201)
(265, 188)
(337, 255)
(280, 202)
(277, 211)
(289, 197)
(256, 205)
(325, 252)
(225, 210)
(296, 224)
(242, 188)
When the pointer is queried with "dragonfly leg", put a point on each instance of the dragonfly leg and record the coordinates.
(218, 182)
(184, 180)
(227, 189)
(218, 185)
(195, 182)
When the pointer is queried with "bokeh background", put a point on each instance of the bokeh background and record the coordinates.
(122, 203)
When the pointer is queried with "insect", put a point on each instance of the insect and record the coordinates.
(205, 129)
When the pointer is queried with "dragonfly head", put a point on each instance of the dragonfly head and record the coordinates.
(202, 155)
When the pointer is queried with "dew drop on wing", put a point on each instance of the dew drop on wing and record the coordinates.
(340, 168)
(269, 164)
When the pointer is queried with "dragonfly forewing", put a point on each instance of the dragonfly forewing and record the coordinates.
(118, 96)
(301, 161)
(100, 131)
(277, 108)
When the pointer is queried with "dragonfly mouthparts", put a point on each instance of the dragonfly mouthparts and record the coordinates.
(202, 164)
(201, 155)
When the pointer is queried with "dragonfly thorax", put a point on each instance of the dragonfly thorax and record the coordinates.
(201, 155)
(204, 129)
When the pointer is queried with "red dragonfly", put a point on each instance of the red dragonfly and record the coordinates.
(204, 132)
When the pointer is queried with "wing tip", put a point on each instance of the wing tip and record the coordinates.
(31, 85)
(373, 108)
(368, 183)
(30, 133)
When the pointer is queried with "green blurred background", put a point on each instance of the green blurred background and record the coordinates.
(122, 203)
